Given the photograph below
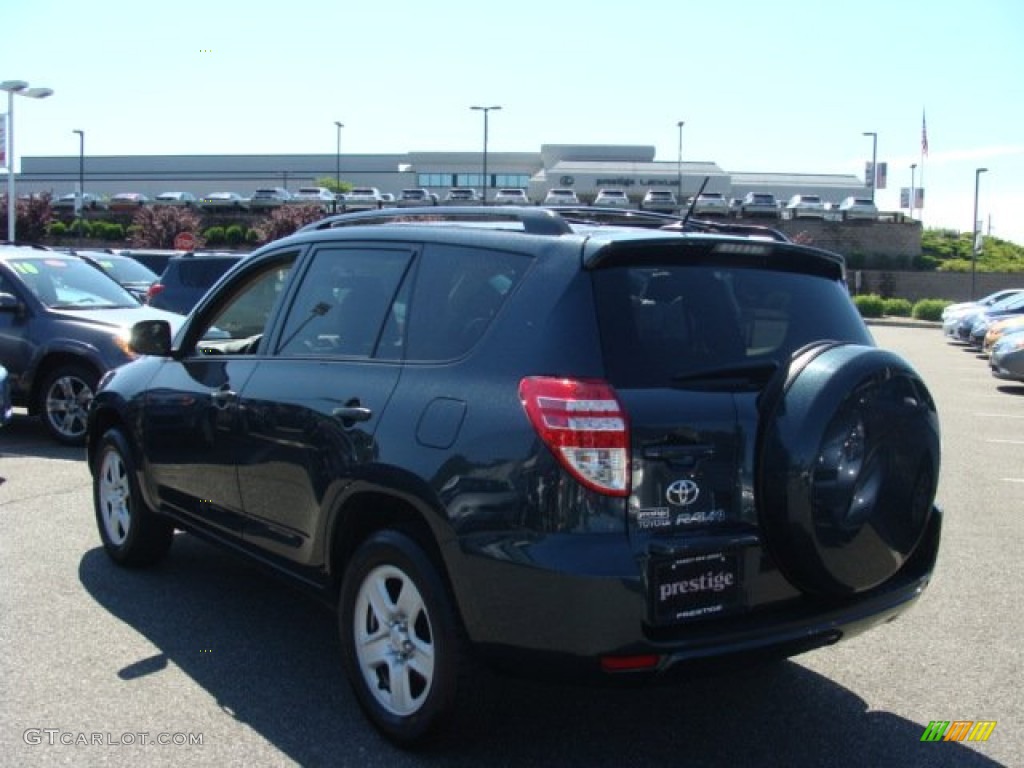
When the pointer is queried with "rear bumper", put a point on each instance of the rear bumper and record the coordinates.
(559, 606)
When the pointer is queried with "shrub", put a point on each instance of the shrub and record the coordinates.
(58, 229)
(32, 216)
(157, 226)
(930, 309)
(234, 235)
(896, 307)
(252, 236)
(80, 228)
(214, 235)
(869, 305)
(107, 230)
(286, 219)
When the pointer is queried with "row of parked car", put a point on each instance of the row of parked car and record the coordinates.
(262, 198)
(994, 326)
(754, 204)
(65, 318)
(716, 204)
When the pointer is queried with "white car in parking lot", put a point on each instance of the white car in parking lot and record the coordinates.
(611, 198)
(561, 197)
(858, 208)
(711, 204)
(511, 197)
(806, 207)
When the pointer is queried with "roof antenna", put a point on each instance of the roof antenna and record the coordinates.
(693, 201)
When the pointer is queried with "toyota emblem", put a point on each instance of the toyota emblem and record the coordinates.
(682, 493)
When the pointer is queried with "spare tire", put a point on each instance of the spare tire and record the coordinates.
(847, 466)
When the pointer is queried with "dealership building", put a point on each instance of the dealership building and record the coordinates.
(585, 168)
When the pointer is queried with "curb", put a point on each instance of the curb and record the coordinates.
(902, 322)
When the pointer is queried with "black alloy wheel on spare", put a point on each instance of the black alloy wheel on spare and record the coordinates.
(847, 466)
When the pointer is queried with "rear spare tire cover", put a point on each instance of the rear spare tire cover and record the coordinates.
(848, 463)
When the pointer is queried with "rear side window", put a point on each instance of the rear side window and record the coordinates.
(661, 323)
(345, 304)
(458, 292)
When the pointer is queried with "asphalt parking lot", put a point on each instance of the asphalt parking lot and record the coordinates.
(99, 665)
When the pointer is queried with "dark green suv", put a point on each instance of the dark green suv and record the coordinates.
(517, 437)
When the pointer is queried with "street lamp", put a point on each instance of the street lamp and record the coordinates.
(337, 166)
(874, 161)
(913, 198)
(975, 245)
(21, 88)
(679, 165)
(485, 110)
(81, 172)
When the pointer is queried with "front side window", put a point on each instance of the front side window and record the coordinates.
(237, 323)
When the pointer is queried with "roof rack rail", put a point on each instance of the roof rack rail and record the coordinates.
(535, 221)
(26, 244)
(628, 217)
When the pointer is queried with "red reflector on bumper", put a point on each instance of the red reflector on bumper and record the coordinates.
(629, 663)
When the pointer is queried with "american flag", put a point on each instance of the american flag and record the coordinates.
(924, 136)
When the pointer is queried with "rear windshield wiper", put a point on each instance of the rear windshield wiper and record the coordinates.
(745, 376)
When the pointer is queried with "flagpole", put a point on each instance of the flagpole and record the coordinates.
(924, 154)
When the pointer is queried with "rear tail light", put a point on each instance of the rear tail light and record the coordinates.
(585, 426)
(154, 289)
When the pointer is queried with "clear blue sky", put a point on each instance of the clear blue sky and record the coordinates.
(762, 86)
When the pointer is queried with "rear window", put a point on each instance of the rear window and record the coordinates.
(663, 322)
(202, 273)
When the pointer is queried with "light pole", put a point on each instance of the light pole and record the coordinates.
(485, 110)
(679, 165)
(874, 161)
(21, 88)
(974, 242)
(913, 190)
(81, 172)
(337, 166)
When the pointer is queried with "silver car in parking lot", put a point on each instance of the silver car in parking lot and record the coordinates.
(1007, 358)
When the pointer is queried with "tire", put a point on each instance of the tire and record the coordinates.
(401, 643)
(64, 399)
(847, 467)
(131, 532)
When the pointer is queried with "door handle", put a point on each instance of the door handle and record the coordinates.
(350, 414)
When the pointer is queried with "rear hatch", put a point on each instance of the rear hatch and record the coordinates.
(692, 332)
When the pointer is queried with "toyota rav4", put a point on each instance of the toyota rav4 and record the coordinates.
(507, 435)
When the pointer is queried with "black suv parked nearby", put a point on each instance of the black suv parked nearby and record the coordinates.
(63, 323)
(508, 435)
(186, 278)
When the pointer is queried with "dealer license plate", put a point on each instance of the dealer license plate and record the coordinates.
(696, 587)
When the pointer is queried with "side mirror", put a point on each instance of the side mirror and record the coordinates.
(151, 337)
(8, 303)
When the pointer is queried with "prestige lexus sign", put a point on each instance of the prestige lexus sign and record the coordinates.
(625, 181)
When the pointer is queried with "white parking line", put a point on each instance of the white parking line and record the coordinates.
(1001, 415)
(1013, 479)
(1006, 442)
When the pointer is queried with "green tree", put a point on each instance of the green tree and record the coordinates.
(329, 182)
